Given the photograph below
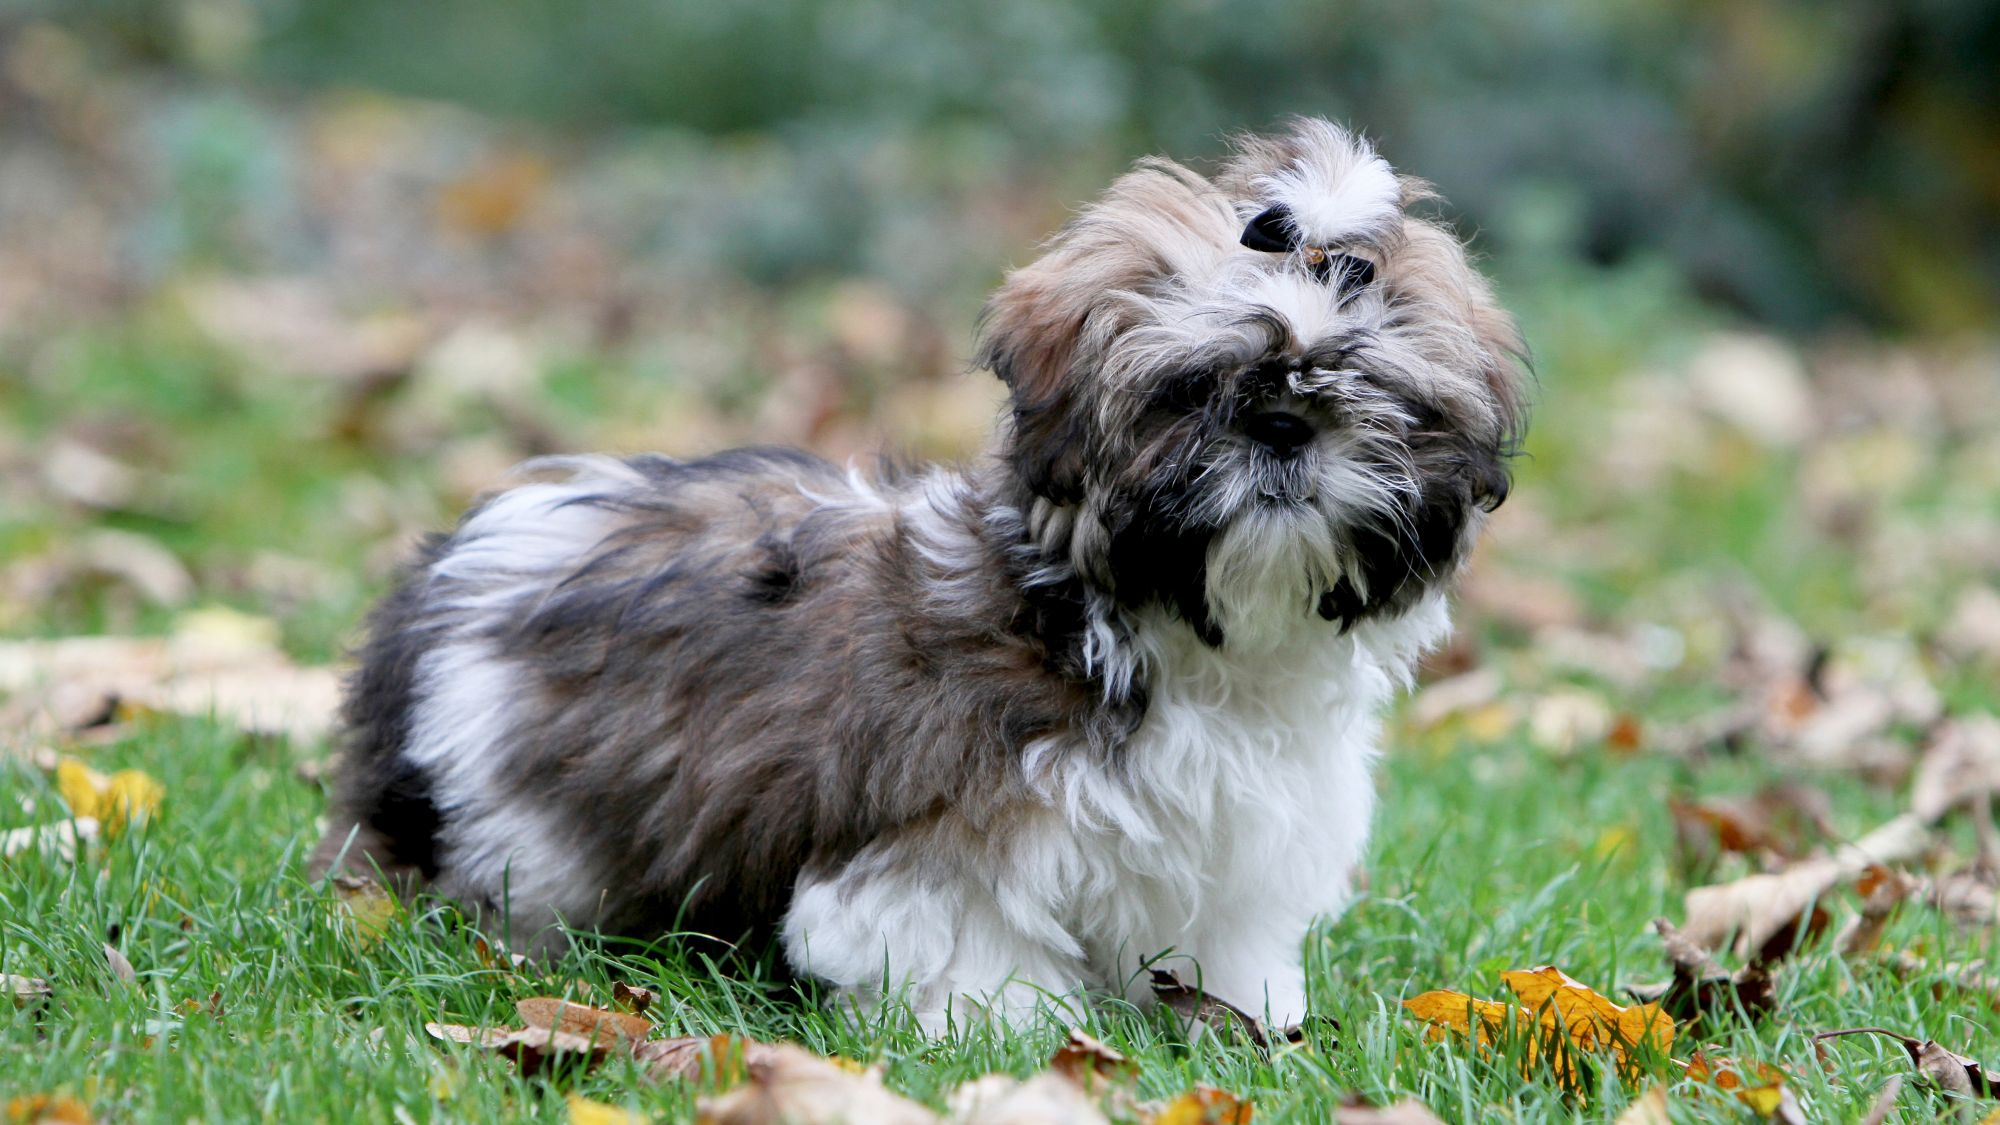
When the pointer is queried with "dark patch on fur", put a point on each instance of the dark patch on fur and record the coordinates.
(376, 787)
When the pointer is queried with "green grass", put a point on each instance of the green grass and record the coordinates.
(1487, 858)
(1489, 855)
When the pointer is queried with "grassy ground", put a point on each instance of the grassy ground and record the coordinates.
(1660, 509)
(1488, 858)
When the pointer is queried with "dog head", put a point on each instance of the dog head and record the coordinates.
(1258, 399)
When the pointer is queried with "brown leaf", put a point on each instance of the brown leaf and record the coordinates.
(1048, 1098)
(47, 1109)
(1085, 1060)
(581, 1019)
(1960, 764)
(634, 998)
(723, 1059)
(1203, 1105)
(1757, 908)
(792, 1086)
(1649, 1108)
(1763, 1088)
(60, 841)
(1353, 1111)
(26, 992)
(120, 967)
(533, 1049)
(1197, 1007)
(1951, 1071)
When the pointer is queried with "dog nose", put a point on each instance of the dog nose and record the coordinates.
(1281, 432)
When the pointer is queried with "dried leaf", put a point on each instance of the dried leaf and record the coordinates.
(1951, 1071)
(125, 797)
(47, 1109)
(1591, 1020)
(1757, 908)
(1085, 1060)
(634, 998)
(1204, 1105)
(791, 1086)
(120, 967)
(1763, 1091)
(367, 908)
(724, 1059)
(1560, 1014)
(1048, 1098)
(1649, 1108)
(583, 1111)
(61, 840)
(581, 1019)
(533, 1049)
(26, 992)
(1353, 1111)
(1701, 988)
(1197, 1007)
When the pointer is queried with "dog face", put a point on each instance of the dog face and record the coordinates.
(1257, 398)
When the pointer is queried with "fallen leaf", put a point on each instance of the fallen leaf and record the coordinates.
(791, 1086)
(1352, 1110)
(1204, 1105)
(26, 992)
(1084, 1060)
(1766, 1092)
(60, 840)
(634, 998)
(367, 907)
(583, 1111)
(47, 1109)
(1197, 1007)
(1882, 889)
(1649, 1108)
(1951, 1071)
(581, 1019)
(1590, 1020)
(533, 1049)
(120, 967)
(724, 1059)
(125, 797)
(1757, 908)
(1049, 1098)
(1700, 988)
(1561, 1015)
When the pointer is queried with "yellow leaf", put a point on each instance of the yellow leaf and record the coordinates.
(1591, 1020)
(125, 797)
(583, 1111)
(1649, 1108)
(367, 907)
(47, 1109)
(1205, 1105)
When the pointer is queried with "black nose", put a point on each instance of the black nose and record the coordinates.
(1284, 434)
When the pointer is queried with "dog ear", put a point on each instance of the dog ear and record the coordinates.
(1046, 331)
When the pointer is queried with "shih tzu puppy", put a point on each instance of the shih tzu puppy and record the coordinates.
(979, 737)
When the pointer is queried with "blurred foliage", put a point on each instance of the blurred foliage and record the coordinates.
(1800, 161)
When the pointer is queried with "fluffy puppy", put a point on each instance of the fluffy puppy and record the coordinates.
(977, 737)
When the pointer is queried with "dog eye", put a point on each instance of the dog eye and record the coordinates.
(1345, 271)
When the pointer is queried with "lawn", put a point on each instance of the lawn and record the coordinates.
(1739, 586)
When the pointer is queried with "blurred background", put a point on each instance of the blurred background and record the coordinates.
(284, 284)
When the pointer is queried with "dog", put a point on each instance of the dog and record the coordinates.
(984, 739)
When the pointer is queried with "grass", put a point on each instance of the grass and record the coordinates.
(1488, 857)
(1493, 851)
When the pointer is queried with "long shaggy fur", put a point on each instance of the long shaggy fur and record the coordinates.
(987, 737)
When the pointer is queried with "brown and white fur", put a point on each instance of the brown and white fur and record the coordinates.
(980, 737)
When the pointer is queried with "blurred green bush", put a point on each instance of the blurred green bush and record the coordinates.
(1803, 163)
